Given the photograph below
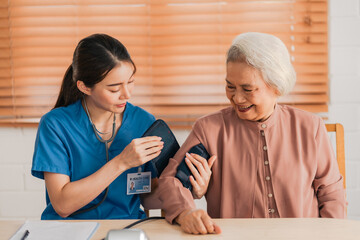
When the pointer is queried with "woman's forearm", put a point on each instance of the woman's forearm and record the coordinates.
(67, 197)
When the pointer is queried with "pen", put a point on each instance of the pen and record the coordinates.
(25, 235)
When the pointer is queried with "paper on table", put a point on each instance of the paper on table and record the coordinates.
(55, 230)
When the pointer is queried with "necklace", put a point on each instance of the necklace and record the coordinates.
(94, 127)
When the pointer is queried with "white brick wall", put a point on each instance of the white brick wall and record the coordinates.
(22, 196)
(339, 8)
(344, 67)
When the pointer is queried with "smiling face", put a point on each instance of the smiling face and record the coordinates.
(112, 93)
(248, 93)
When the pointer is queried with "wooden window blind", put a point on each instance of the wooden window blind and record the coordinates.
(179, 48)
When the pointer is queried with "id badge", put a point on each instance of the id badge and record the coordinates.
(139, 182)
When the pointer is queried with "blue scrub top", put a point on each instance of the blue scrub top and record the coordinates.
(66, 144)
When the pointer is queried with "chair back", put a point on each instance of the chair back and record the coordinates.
(340, 146)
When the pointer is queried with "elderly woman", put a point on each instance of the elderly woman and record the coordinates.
(272, 160)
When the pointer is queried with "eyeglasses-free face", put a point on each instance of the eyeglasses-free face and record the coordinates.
(248, 93)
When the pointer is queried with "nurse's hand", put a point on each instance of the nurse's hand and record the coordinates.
(197, 222)
(140, 151)
(201, 170)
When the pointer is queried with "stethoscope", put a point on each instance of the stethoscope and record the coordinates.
(106, 142)
(97, 131)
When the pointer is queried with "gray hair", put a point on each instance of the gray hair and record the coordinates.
(269, 55)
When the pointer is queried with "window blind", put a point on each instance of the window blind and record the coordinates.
(179, 48)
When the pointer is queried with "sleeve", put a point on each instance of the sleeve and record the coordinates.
(174, 197)
(148, 121)
(149, 167)
(328, 183)
(50, 154)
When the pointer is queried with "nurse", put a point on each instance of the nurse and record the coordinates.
(89, 147)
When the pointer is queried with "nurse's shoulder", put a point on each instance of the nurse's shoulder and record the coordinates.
(139, 115)
(62, 115)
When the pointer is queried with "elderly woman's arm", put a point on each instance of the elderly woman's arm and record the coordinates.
(177, 201)
(328, 182)
(151, 200)
(175, 198)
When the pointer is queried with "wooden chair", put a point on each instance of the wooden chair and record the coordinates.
(340, 146)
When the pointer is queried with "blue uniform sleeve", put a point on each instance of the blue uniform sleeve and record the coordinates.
(50, 154)
(150, 168)
(147, 120)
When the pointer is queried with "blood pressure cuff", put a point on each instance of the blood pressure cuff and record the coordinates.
(161, 129)
(183, 172)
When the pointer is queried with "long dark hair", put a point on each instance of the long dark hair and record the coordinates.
(94, 57)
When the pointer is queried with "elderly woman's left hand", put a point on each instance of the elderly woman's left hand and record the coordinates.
(201, 170)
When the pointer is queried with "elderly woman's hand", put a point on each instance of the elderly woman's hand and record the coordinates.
(197, 222)
(201, 170)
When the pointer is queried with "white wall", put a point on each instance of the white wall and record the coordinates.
(344, 68)
(22, 196)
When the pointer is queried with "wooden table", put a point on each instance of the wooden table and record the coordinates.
(264, 229)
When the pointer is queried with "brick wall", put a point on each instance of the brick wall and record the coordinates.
(344, 69)
(22, 196)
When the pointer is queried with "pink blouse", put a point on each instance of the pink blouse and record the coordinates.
(282, 167)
